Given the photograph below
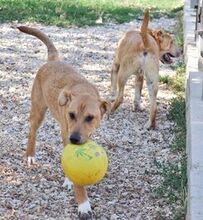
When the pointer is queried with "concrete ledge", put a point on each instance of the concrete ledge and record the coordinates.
(194, 117)
(190, 49)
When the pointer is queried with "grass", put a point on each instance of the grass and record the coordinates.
(176, 82)
(173, 188)
(83, 12)
(179, 29)
(174, 181)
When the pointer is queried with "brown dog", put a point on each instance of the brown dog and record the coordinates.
(73, 101)
(139, 53)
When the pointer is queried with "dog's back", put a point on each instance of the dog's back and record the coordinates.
(137, 43)
(132, 45)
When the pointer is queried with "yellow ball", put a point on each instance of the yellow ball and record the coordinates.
(84, 164)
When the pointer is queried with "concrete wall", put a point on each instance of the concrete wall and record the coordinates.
(194, 117)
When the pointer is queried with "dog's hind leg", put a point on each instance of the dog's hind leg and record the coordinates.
(122, 79)
(139, 79)
(38, 109)
(114, 77)
(64, 133)
(152, 85)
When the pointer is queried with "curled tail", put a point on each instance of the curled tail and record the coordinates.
(52, 51)
(144, 29)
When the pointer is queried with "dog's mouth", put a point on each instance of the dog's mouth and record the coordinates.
(166, 58)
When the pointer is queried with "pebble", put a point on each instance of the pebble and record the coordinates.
(114, 217)
(125, 191)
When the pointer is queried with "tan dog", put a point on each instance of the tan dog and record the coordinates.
(139, 53)
(73, 101)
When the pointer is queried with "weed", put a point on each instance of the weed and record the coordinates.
(179, 29)
(174, 181)
(176, 82)
(177, 112)
(173, 186)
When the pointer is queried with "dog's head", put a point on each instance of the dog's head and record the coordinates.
(83, 114)
(167, 46)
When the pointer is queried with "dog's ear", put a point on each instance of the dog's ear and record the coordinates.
(105, 107)
(158, 34)
(64, 98)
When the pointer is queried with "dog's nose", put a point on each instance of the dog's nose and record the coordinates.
(75, 138)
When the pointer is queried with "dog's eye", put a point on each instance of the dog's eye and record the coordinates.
(89, 118)
(72, 116)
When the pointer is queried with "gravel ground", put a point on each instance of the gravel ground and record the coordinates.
(36, 192)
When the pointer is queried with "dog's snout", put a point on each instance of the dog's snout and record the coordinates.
(75, 138)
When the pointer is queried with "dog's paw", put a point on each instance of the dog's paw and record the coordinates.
(112, 97)
(67, 183)
(149, 125)
(138, 107)
(85, 216)
(30, 160)
(84, 211)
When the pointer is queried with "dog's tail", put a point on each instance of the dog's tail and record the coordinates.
(144, 29)
(52, 51)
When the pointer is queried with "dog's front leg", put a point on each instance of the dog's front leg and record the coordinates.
(64, 133)
(114, 76)
(84, 208)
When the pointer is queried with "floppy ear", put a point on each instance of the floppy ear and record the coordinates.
(158, 34)
(64, 98)
(105, 107)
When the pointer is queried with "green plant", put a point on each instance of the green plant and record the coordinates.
(174, 185)
(177, 112)
(179, 29)
(164, 79)
(174, 181)
(176, 82)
